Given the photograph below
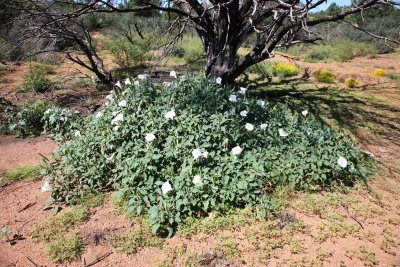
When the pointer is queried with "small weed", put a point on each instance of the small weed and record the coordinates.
(130, 241)
(91, 200)
(368, 257)
(66, 248)
(60, 224)
(323, 254)
(296, 246)
(20, 173)
(389, 243)
(349, 253)
(228, 248)
(217, 221)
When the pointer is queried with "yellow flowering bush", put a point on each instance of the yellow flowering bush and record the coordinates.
(283, 70)
(351, 82)
(325, 76)
(379, 72)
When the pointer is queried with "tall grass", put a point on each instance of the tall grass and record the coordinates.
(336, 50)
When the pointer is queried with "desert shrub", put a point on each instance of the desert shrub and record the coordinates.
(192, 46)
(379, 72)
(337, 50)
(20, 173)
(185, 150)
(67, 248)
(393, 76)
(316, 55)
(264, 69)
(129, 53)
(284, 70)
(325, 76)
(36, 79)
(26, 120)
(351, 82)
(62, 123)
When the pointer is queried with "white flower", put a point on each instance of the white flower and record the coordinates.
(261, 103)
(264, 126)
(170, 114)
(197, 179)
(77, 133)
(45, 187)
(47, 111)
(150, 137)
(118, 84)
(117, 118)
(107, 103)
(243, 113)
(143, 76)
(237, 150)
(166, 187)
(249, 127)
(282, 132)
(127, 81)
(218, 80)
(342, 162)
(196, 153)
(115, 128)
(304, 112)
(99, 114)
(122, 103)
(109, 97)
(242, 90)
(136, 83)
(173, 74)
(205, 154)
(111, 157)
(232, 98)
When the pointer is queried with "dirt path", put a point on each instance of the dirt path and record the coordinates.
(17, 151)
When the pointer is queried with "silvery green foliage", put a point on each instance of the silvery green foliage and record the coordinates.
(184, 150)
(61, 123)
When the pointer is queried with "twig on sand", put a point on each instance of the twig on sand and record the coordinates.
(34, 263)
(27, 207)
(99, 259)
(352, 217)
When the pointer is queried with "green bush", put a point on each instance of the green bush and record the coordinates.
(26, 120)
(264, 69)
(325, 76)
(36, 79)
(62, 123)
(351, 82)
(188, 148)
(337, 50)
(67, 248)
(284, 70)
(192, 47)
(129, 53)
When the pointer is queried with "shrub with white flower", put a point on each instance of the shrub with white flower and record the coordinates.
(118, 84)
(122, 103)
(196, 153)
(170, 115)
(150, 137)
(242, 90)
(218, 80)
(305, 113)
(249, 127)
(261, 103)
(173, 74)
(282, 132)
(237, 150)
(119, 117)
(197, 179)
(342, 162)
(243, 113)
(209, 144)
(128, 81)
(166, 187)
(232, 98)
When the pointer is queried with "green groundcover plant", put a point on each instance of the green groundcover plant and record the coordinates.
(187, 148)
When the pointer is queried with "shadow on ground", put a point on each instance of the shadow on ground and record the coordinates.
(356, 111)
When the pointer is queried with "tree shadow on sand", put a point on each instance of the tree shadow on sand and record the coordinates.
(359, 113)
